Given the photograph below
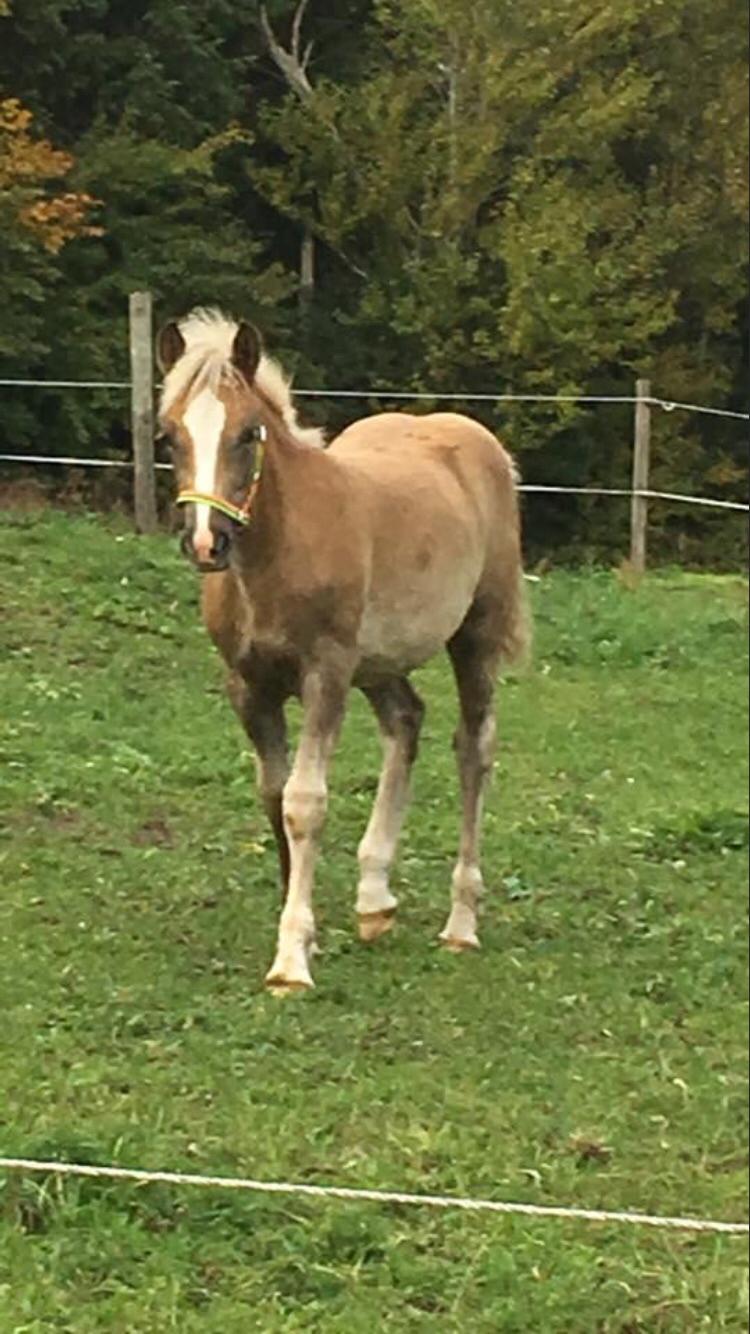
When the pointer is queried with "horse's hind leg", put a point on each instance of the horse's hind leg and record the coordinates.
(475, 655)
(399, 712)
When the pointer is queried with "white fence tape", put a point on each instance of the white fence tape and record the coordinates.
(70, 462)
(420, 396)
(373, 1196)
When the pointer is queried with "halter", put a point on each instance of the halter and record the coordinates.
(240, 513)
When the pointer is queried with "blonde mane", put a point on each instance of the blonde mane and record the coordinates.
(207, 363)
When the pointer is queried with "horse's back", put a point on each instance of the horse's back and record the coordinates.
(441, 462)
(406, 442)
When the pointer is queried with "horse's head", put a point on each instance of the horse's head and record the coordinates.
(210, 416)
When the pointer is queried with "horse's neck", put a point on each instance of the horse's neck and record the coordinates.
(278, 512)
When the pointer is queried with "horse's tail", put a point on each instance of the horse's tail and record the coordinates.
(515, 642)
(516, 633)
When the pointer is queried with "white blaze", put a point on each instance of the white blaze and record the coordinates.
(204, 420)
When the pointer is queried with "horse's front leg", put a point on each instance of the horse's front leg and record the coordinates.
(260, 709)
(304, 807)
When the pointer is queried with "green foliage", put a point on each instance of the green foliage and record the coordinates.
(594, 1052)
(532, 199)
(167, 225)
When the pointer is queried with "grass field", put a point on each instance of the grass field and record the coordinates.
(593, 1053)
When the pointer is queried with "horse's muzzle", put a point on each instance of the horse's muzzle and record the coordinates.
(207, 557)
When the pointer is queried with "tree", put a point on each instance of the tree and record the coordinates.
(502, 197)
(293, 65)
(534, 200)
(167, 224)
(27, 166)
(37, 220)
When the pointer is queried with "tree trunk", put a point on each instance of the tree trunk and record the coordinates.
(306, 271)
(293, 65)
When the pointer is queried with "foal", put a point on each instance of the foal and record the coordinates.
(339, 567)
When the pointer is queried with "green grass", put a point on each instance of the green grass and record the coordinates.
(592, 1054)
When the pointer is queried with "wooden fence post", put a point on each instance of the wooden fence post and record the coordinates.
(641, 455)
(142, 411)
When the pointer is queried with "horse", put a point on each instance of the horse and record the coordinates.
(339, 566)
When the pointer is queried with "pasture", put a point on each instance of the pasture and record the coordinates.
(593, 1053)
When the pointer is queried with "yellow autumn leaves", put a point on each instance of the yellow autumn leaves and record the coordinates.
(28, 167)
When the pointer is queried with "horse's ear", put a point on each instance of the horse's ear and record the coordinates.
(170, 346)
(246, 350)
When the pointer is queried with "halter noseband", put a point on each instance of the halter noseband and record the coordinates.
(240, 513)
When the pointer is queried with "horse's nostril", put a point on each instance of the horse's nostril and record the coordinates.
(221, 546)
(206, 549)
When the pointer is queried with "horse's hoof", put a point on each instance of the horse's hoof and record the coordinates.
(278, 986)
(289, 975)
(373, 925)
(459, 944)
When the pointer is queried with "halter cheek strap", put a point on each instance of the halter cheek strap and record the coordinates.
(240, 513)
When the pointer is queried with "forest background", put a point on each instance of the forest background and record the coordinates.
(471, 196)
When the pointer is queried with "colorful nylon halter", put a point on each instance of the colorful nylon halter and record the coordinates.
(240, 513)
